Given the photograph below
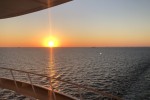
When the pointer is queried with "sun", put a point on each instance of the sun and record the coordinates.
(51, 44)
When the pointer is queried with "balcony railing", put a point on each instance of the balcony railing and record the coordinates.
(78, 86)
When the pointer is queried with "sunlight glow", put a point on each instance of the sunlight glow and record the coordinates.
(51, 42)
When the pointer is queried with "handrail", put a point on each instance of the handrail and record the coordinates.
(58, 79)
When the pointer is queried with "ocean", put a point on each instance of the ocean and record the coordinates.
(121, 71)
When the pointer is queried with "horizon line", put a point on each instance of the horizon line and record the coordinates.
(81, 47)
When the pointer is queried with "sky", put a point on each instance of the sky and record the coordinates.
(81, 23)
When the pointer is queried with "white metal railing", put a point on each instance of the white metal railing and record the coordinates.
(78, 86)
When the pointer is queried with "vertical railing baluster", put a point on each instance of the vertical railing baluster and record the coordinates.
(79, 90)
(52, 89)
(14, 79)
(31, 84)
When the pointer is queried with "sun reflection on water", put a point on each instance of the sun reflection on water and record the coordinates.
(52, 69)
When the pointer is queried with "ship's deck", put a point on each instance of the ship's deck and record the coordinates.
(38, 92)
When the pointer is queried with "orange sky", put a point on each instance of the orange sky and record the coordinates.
(81, 23)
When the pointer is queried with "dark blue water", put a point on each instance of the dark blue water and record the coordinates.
(124, 72)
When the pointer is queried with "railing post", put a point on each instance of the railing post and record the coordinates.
(52, 89)
(14, 79)
(31, 84)
(79, 90)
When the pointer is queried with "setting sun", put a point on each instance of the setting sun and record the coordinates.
(51, 44)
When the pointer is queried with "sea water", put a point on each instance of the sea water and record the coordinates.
(124, 72)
